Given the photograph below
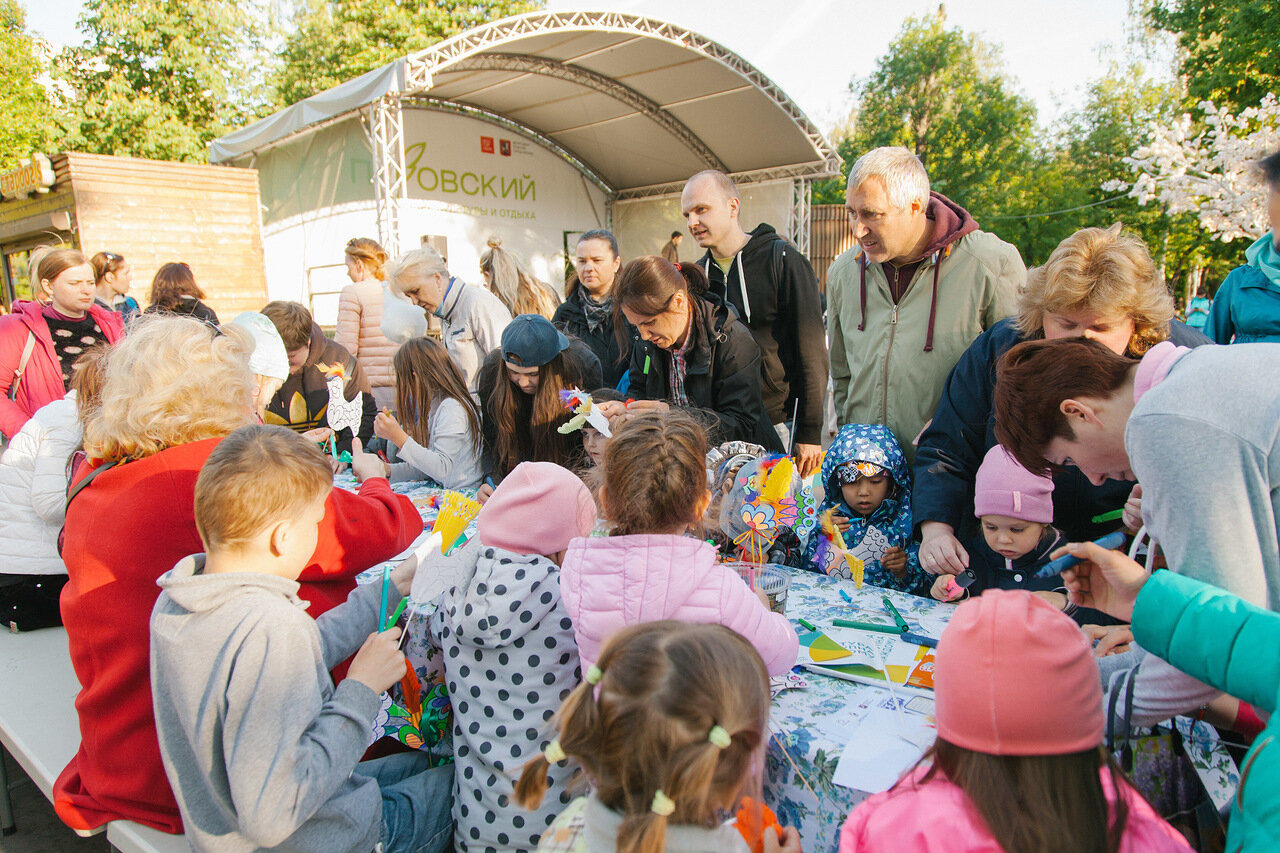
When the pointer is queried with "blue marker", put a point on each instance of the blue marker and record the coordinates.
(920, 639)
(846, 597)
(1110, 542)
(490, 483)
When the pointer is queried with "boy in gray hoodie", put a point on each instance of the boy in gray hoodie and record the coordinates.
(260, 747)
(509, 655)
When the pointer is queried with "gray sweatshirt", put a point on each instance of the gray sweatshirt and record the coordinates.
(453, 457)
(257, 742)
(1205, 444)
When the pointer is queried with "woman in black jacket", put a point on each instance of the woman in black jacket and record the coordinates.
(691, 351)
(174, 291)
(587, 311)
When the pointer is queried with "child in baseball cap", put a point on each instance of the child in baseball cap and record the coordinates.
(1019, 763)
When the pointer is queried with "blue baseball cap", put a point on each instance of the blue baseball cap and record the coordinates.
(531, 341)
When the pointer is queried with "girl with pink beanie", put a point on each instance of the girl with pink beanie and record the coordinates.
(1018, 765)
(1015, 508)
(508, 651)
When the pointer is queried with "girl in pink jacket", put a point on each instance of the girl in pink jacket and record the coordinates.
(1019, 763)
(653, 487)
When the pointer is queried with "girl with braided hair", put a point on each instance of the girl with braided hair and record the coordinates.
(653, 488)
(669, 729)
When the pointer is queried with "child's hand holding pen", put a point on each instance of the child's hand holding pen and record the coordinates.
(386, 426)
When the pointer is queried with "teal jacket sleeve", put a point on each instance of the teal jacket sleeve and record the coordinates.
(1210, 635)
(1219, 327)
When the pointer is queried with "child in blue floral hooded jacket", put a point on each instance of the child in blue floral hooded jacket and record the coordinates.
(868, 484)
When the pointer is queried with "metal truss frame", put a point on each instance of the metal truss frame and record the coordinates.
(468, 51)
(800, 202)
(390, 188)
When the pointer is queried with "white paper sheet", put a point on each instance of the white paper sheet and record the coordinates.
(881, 749)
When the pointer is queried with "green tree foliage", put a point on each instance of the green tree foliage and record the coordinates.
(1229, 50)
(24, 104)
(159, 78)
(944, 94)
(336, 40)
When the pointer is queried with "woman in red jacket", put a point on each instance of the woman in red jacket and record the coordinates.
(52, 334)
(174, 388)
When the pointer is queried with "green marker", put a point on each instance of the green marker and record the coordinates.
(1114, 515)
(897, 617)
(395, 614)
(646, 364)
(807, 625)
(867, 626)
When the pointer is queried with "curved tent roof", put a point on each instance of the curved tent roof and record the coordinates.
(637, 104)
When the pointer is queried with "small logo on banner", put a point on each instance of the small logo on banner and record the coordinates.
(504, 146)
(486, 145)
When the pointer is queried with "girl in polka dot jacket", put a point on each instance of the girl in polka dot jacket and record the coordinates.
(654, 489)
(668, 729)
(508, 651)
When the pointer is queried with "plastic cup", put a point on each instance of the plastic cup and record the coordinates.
(773, 580)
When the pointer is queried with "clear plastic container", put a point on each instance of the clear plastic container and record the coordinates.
(773, 580)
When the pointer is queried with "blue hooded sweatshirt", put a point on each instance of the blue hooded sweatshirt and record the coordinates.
(889, 525)
(1246, 308)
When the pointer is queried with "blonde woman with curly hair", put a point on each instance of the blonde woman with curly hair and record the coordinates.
(173, 389)
(1099, 283)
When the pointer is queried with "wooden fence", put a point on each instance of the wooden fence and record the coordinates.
(829, 237)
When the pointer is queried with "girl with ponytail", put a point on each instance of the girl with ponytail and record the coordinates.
(669, 730)
(689, 350)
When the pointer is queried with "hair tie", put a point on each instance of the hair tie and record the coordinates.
(554, 753)
(677, 263)
(719, 737)
(594, 674)
(662, 804)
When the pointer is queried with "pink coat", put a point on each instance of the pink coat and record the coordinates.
(42, 382)
(359, 330)
(938, 816)
(610, 582)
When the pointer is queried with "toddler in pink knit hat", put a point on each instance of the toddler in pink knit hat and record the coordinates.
(1015, 508)
(1019, 762)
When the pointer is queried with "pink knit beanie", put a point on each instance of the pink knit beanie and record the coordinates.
(536, 509)
(1003, 487)
(1014, 676)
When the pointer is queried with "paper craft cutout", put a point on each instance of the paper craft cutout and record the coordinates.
(584, 411)
(456, 512)
(341, 412)
(833, 557)
(766, 497)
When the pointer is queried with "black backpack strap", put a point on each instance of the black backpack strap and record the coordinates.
(88, 478)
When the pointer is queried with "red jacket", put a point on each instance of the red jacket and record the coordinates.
(132, 524)
(42, 382)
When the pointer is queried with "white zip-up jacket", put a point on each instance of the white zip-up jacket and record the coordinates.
(33, 489)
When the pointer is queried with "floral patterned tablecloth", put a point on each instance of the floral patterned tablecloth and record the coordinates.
(807, 723)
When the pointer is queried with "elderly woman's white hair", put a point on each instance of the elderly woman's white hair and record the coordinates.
(901, 172)
(415, 265)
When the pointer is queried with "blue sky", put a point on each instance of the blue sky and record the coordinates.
(1053, 49)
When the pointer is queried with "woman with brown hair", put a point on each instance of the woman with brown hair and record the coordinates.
(359, 328)
(690, 351)
(174, 291)
(520, 385)
(515, 285)
(40, 341)
(442, 442)
(587, 311)
(1099, 283)
(114, 276)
